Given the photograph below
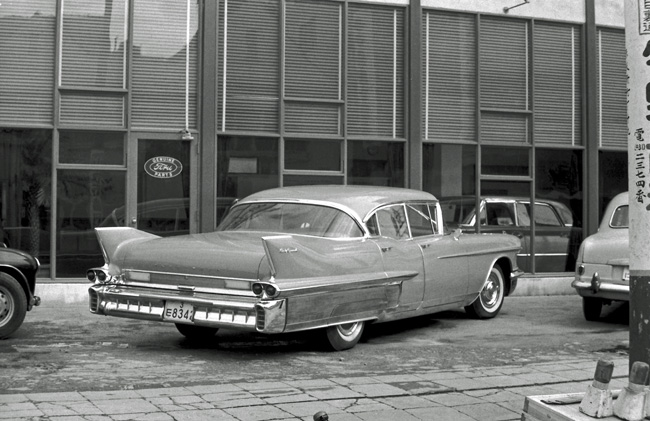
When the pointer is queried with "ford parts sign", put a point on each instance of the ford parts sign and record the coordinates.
(163, 167)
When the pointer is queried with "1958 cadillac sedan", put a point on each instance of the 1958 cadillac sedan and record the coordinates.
(315, 257)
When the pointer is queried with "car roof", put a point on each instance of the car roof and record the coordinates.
(358, 199)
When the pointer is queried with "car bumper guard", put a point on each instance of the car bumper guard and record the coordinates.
(212, 311)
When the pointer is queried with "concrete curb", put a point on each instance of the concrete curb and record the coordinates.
(73, 292)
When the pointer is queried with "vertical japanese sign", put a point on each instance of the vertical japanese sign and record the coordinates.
(637, 40)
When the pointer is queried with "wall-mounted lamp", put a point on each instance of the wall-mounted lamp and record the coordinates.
(507, 9)
(186, 135)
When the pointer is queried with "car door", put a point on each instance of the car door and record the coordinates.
(388, 227)
(445, 266)
(552, 245)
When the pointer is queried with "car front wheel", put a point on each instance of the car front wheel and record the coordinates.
(591, 308)
(196, 332)
(13, 305)
(344, 336)
(490, 299)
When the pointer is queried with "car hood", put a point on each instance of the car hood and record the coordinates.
(607, 247)
(232, 255)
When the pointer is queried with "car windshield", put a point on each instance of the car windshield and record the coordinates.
(291, 218)
(620, 218)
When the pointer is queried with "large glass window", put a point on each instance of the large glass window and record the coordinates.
(25, 192)
(314, 155)
(245, 165)
(85, 200)
(449, 170)
(612, 177)
(83, 147)
(376, 163)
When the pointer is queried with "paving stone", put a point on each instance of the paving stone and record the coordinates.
(438, 413)
(156, 416)
(55, 397)
(308, 384)
(257, 413)
(216, 388)
(421, 387)
(391, 415)
(308, 409)
(336, 392)
(495, 395)
(13, 398)
(441, 375)
(110, 395)
(377, 389)
(398, 378)
(504, 381)
(453, 399)
(488, 412)
(465, 383)
(125, 406)
(346, 381)
(202, 415)
(408, 402)
(165, 391)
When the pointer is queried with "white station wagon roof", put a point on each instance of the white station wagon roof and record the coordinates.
(359, 199)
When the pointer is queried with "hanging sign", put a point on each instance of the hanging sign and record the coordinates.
(163, 167)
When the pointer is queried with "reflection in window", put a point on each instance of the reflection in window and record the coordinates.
(419, 220)
(621, 217)
(504, 161)
(376, 163)
(78, 147)
(86, 199)
(391, 222)
(25, 186)
(94, 35)
(290, 218)
(612, 177)
(245, 165)
(314, 155)
(449, 170)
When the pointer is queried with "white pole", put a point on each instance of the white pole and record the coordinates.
(637, 40)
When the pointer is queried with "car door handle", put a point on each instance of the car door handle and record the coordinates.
(385, 249)
(424, 246)
(518, 234)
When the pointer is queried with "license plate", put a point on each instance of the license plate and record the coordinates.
(178, 312)
(626, 275)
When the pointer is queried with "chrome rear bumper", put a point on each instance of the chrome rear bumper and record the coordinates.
(242, 313)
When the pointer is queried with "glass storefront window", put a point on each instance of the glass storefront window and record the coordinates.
(449, 170)
(85, 200)
(81, 147)
(245, 165)
(505, 161)
(25, 192)
(613, 177)
(376, 163)
(311, 180)
(313, 155)
(558, 180)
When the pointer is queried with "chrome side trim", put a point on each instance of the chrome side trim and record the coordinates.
(481, 253)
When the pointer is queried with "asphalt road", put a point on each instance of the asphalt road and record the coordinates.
(62, 347)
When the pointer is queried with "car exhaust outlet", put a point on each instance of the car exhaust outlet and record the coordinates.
(630, 404)
(598, 401)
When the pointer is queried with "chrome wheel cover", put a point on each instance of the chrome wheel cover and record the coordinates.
(6, 306)
(349, 331)
(492, 291)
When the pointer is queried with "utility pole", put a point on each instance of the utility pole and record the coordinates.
(637, 41)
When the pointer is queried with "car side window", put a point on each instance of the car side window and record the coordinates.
(419, 220)
(391, 222)
(498, 214)
(544, 215)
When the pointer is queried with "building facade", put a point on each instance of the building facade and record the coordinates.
(158, 114)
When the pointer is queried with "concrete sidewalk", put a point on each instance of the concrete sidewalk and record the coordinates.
(462, 394)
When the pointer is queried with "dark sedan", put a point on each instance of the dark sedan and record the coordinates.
(17, 286)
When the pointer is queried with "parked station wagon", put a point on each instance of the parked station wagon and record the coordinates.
(296, 258)
(556, 238)
(603, 267)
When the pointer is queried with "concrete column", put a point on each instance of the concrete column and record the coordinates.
(637, 39)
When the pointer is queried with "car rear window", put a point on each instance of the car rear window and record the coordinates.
(620, 217)
(291, 218)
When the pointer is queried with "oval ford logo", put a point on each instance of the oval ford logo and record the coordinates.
(163, 167)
